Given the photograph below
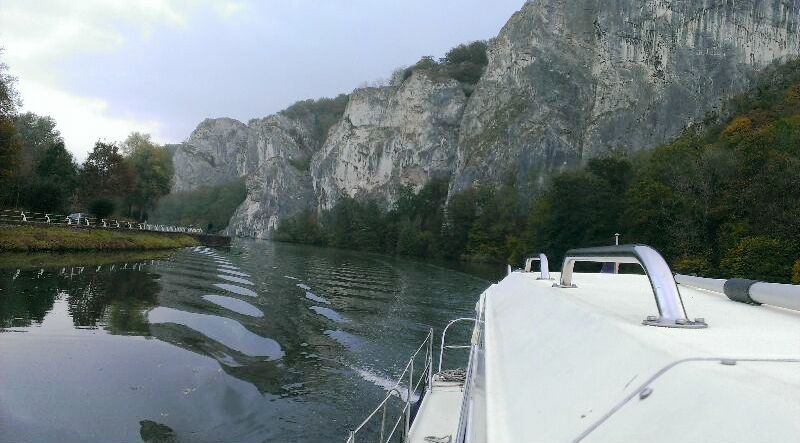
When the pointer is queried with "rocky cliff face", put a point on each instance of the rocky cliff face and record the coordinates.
(278, 180)
(272, 154)
(569, 79)
(212, 155)
(401, 135)
(566, 80)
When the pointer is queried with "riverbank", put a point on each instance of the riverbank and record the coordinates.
(66, 259)
(46, 238)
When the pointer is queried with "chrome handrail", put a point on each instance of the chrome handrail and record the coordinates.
(671, 312)
(411, 389)
(442, 347)
(544, 267)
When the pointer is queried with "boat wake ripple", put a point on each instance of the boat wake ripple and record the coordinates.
(220, 329)
(234, 304)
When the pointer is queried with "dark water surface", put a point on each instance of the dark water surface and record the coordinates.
(262, 342)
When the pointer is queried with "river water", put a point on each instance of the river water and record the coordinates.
(260, 342)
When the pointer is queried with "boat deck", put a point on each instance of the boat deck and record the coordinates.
(438, 414)
(573, 363)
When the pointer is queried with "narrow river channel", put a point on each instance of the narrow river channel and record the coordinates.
(263, 342)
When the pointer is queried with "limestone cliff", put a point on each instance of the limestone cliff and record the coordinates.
(212, 155)
(272, 155)
(570, 79)
(566, 80)
(401, 135)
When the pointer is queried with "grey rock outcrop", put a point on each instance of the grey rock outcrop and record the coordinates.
(212, 155)
(566, 80)
(389, 137)
(272, 154)
(278, 179)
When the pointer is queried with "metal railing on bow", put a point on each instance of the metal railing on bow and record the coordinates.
(11, 216)
(396, 429)
(443, 347)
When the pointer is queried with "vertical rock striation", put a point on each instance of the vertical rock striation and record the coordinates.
(570, 79)
(400, 135)
(278, 179)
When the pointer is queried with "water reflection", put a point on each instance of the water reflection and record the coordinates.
(227, 332)
(236, 289)
(232, 272)
(94, 298)
(234, 304)
(235, 279)
(314, 297)
(328, 313)
(262, 342)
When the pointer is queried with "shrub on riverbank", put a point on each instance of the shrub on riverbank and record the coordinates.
(42, 238)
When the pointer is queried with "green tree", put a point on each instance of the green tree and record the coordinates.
(37, 134)
(497, 219)
(57, 163)
(102, 207)
(461, 214)
(54, 182)
(760, 257)
(105, 174)
(9, 97)
(579, 211)
(152, 166)
(10, 148)
(135, 141)
(319, 115)
(466, 63)
(411, 241)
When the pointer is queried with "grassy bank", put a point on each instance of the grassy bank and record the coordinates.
(61, 259)
(42, 238)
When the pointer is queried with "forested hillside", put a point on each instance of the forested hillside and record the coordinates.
(38, 173)
(722, 200)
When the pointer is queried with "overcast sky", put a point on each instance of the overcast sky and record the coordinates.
(104, 68)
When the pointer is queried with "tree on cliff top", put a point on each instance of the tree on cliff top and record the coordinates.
(320, 115)
(465, 63)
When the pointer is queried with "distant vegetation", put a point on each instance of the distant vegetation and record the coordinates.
(719, 201)
(464, 63)
(209, 208)
(320, 114)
